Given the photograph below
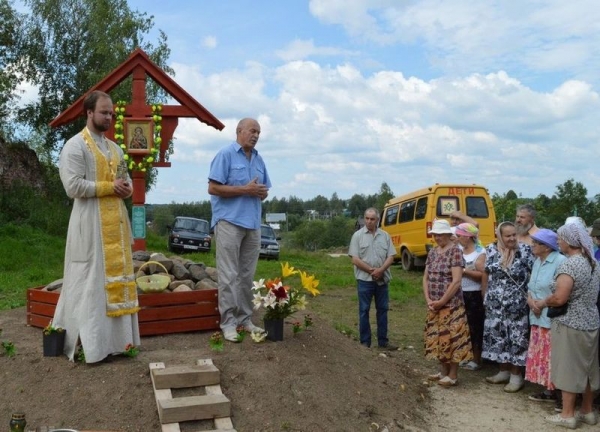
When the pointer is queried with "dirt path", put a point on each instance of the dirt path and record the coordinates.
(475, 405)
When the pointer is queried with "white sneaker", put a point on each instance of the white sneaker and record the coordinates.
(231, 335)
(251, 328)
(557, 420)
(589, 418)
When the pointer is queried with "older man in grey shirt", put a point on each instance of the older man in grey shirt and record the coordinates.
(372, 253)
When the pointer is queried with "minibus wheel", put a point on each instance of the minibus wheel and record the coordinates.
(408, 261)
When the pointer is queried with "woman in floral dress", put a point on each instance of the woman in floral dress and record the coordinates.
(446, 329)
(506, 327)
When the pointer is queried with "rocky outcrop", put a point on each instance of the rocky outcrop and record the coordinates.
(20, 164)
(185, 274)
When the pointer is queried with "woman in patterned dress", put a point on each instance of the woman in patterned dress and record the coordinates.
(506, 327)
(446, 330)
(574, 335)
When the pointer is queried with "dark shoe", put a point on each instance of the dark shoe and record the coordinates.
(558, 405)
(545, 396)
(388, 347)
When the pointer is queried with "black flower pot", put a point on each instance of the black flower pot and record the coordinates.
(54, 344)
(274, 329)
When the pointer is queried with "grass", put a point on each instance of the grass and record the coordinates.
(30, 258)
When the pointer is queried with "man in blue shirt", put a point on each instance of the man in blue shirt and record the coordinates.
(238, 182)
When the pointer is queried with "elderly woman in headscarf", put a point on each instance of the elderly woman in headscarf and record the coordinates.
(545, 248)
(574, 334)
(446, 329)
(473, 252)
(506, 327)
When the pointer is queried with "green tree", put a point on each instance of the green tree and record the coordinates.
(570, 199)
(336, 204)
(357, 205)
(10, 59)
(385, 194)
(70, 45)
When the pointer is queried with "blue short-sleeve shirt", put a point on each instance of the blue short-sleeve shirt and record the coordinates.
(231, 167)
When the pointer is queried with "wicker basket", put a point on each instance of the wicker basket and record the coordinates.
(154, 283)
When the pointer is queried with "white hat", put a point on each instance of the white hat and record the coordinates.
(440, 226)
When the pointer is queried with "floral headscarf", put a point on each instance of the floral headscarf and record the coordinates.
(575, 235)
(507, 255)
(467, 229)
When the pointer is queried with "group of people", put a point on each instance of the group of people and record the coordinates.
(528, 302)
(98, 304)
(489, 303)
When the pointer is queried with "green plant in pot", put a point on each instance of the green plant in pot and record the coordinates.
(53, 340)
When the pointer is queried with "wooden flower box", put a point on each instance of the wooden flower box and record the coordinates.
(163, 313)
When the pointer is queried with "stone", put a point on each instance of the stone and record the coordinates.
(179, 271)
(177, 283)
(53, 286)
(141, 256)
(212, 273)
(198, 272)
(205, 284)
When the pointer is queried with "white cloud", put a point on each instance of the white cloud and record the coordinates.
(209, 42)
(302, 49)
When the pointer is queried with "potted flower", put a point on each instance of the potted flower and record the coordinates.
(280, 298)
(54, 340)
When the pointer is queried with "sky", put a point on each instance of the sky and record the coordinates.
(352, 94)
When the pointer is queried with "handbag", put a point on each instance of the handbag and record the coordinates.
(556, 311)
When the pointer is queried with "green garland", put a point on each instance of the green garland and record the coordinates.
(148, 159)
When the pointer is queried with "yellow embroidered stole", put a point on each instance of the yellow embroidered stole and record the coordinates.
(120, 286)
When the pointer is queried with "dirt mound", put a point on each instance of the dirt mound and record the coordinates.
(317, 380)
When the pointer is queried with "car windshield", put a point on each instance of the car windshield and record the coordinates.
(267, 231)
(192, 225)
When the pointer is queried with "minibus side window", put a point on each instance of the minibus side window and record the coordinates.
(476, 207)
(446, 205)
(391, 215)
(421, 210)
(407, 211)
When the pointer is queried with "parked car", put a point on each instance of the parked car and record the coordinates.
(269, 247)
(189, 234)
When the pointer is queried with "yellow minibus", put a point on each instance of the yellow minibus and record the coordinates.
(408, 218)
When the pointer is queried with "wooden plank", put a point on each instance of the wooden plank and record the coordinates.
(43, 309)
(178, 311)
(223, 424)
(179, 326)
(193, 408)
(164, 394)
(42, 296)
(38, 320)
(186, 376)
(178, 297)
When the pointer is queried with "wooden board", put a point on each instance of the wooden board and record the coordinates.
(161, 313)
(193, 408)
(186, 376)
(213, 405)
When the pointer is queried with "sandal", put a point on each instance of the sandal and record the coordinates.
(447, 382)
(472, 366)
(435, 377)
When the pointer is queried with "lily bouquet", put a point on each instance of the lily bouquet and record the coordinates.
(280, 297)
